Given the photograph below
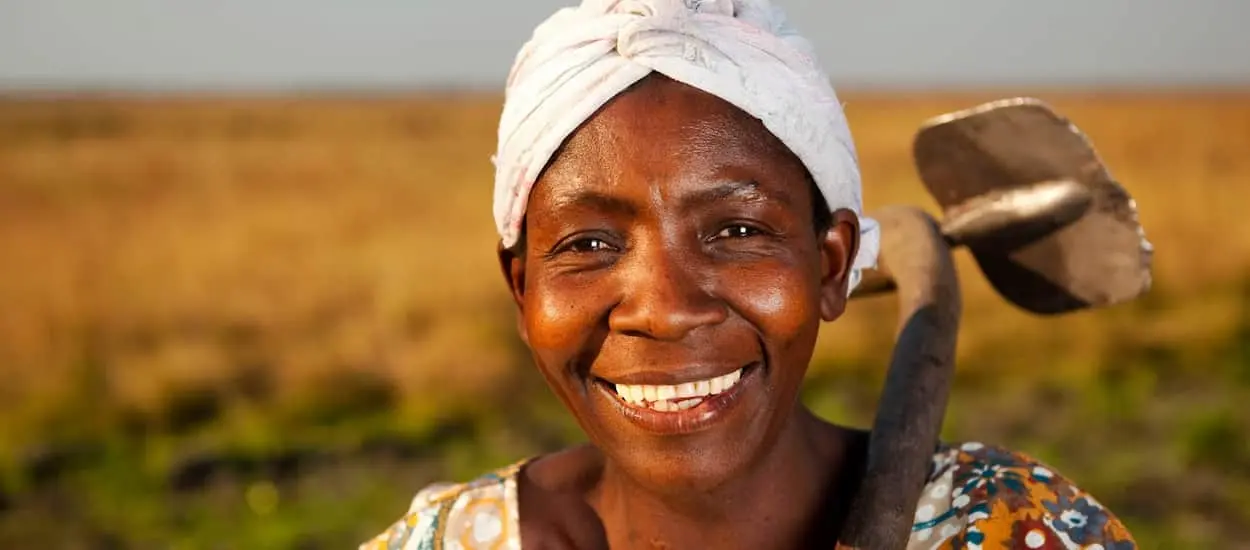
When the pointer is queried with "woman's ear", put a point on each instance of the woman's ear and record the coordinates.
(512, 263)
(838, 247)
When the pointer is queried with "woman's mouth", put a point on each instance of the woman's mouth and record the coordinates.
(677, 397)
(685, 407)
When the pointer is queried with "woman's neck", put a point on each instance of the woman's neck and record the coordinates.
(790, 497)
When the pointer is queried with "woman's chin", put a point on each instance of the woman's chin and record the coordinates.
(681, 473)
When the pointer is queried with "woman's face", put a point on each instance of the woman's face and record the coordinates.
(672, 283)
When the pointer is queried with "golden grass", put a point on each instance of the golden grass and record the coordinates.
(255, 265)
(178, 243)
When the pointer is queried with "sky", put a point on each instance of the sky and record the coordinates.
(404, 44)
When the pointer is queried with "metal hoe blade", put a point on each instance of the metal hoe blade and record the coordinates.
(990, 164)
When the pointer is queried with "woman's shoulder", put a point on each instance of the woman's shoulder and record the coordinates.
(481, 513)
(983, 496)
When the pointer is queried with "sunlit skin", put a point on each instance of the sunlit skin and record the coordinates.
(673, 238)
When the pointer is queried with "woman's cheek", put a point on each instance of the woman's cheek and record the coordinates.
(553, 336)
(554, 322)
(780, 304)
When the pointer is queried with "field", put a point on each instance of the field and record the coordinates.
(265, 322)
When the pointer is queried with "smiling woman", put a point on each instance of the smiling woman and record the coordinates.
(678, 204)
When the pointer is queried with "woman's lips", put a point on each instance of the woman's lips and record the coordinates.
(679, 408)
(675, 397)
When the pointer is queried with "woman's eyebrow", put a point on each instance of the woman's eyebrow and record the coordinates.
(746, 191)
(592, 200)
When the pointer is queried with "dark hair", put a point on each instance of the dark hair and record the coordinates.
(822, 217)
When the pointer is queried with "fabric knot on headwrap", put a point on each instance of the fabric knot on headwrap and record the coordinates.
(742, 51)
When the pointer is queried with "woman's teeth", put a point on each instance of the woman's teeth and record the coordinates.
(679, 397)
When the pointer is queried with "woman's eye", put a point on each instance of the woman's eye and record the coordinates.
(588, 245)
(737, 231)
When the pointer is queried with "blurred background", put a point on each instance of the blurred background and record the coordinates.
(248, 296)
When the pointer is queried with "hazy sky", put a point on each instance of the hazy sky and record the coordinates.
(286, 44)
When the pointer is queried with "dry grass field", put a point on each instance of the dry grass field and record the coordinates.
(247, 323)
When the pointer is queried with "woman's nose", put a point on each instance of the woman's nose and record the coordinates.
(664, 295)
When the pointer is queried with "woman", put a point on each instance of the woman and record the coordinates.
(679, 209)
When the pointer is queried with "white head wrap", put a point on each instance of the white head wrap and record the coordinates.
(742, 51)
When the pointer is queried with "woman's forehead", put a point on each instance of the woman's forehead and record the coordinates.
(664, 130)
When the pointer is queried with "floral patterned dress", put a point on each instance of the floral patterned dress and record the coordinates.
(977, 497)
